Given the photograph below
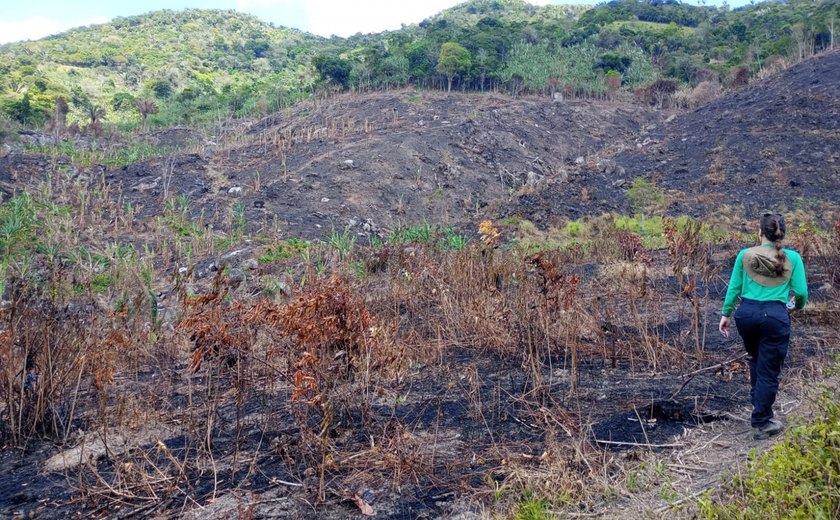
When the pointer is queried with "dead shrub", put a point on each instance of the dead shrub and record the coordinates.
(659, 92)
(773, 65)
(703, 93)
(690, 98)
(680, 99)
(50, 351)
(739, 77)
(702, 75)
(820, 249)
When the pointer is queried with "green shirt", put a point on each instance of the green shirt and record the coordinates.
(740, 284)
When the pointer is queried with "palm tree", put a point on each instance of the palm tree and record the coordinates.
(94, 112)
(146, 107)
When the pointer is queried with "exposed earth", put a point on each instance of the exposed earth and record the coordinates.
(387, 159)
(466, 424)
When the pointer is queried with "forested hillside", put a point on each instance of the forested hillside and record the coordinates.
(186, 67)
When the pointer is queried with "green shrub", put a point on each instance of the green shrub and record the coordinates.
(797, 478)
(531, 508)
(645, 195)
(343, 242)
(283, 249)
(100, 283)
(575, 229)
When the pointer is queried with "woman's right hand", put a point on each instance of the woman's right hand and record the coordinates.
(724, 326)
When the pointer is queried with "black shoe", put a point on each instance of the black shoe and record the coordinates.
(767, 430)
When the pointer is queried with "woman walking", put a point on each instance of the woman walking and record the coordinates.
(764, 277)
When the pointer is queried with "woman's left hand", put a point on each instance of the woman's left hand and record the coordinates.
(724, 326)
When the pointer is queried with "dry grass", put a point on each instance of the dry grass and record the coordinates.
(318, 385)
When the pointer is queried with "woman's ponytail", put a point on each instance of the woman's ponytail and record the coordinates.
(773, 227)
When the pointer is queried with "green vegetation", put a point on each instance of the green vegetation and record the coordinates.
(121, 155)
(532, 509)
(453, 60)
(188, 67)
(283, 249)
(797, 478)
(342, 242)
(443, 237)
(581, 233)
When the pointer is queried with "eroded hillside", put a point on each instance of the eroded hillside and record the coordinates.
(773, 145)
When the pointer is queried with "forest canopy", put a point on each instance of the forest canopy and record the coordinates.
(194, 65)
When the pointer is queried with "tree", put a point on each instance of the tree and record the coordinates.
(453, 60)
(20, 110)
(94, 112)
(161, 89)
(146, 107)
(482, 60)
(58, 120)
(122, 101)
(333, 68)
(646, 197)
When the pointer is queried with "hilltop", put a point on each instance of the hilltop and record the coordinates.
(196, 65)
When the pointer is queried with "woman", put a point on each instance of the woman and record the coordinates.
(763, 277)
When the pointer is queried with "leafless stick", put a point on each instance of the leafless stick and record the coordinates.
(691, 375)
(639, 444)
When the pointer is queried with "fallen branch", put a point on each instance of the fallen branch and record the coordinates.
(719, 365)
(681, 501)
(640, 444)
(285, 483)
(691, 375)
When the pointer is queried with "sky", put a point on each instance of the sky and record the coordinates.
(30, 20)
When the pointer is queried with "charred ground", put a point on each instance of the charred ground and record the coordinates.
(227, 374)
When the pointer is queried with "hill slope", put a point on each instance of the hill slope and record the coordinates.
(774, 145)
(199, 64)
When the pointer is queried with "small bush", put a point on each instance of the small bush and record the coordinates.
(284, 249)
(703, 93)
(798, 478)
(575, 229)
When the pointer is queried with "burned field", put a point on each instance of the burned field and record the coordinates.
(409, 380)
(378, 304)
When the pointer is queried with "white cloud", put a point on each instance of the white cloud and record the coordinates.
(38, 27)
(244, 5)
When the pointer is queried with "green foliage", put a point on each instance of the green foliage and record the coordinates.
(652, 226)
(575, 69)
(114, 156)
(797, 478)
(203, 64)
(18, 224)
(122, 101)
(238, 220)
(575, 229)
(453, 60)
(532, 509)
(342, 242)
(284, 249)
(445, 238)
(645, 195)
(334, 69)
(100, 283)
(359, 270)
(452, 240)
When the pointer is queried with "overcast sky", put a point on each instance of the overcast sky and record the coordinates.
(30, 20)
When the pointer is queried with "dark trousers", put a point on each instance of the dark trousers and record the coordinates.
(765, 329)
